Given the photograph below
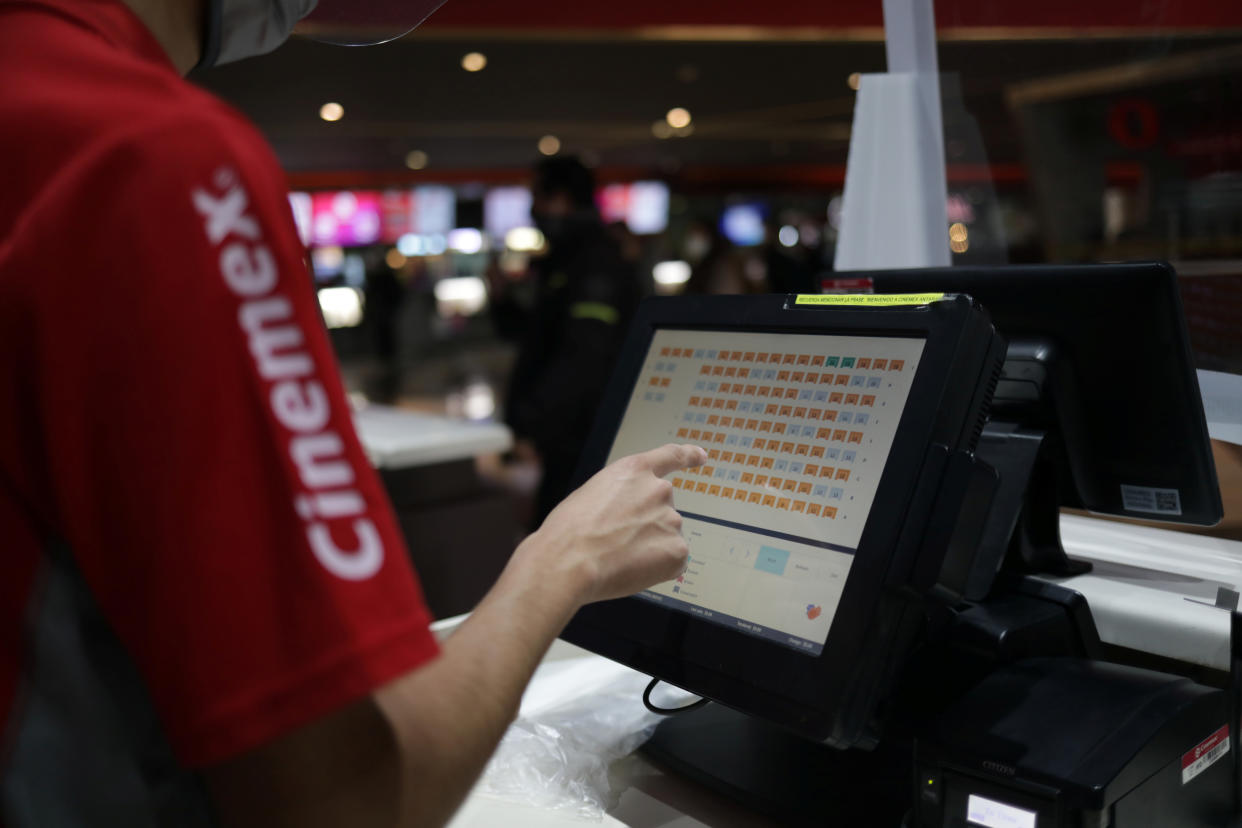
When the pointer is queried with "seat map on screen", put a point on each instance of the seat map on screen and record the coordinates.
(798, 428)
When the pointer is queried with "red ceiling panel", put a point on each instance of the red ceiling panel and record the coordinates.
(1070, 15)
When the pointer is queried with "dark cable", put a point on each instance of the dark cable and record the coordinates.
(668, 711)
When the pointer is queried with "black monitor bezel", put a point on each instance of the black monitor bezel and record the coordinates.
(1066, 290)
(801, 691)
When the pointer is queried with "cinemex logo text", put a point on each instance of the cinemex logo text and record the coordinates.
(330, 508)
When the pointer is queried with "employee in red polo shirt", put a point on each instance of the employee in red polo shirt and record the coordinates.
(206, 612)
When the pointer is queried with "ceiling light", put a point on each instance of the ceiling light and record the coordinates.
(474, 62)
(549, 145)
(959, 238)
(416, 159)
(678, 118)
(332, 111)
(854, 81)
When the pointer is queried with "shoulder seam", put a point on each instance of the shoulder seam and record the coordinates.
(82, 163)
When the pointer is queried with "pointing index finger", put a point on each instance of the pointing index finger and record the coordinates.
(671, 457)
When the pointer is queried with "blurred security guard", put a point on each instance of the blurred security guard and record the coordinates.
(585, 295)
(207, 615)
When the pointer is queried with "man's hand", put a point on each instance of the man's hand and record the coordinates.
(618, 533)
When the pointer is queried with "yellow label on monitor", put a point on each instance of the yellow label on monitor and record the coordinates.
(874, 300)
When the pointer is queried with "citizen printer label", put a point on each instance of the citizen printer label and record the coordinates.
(1150, 500)
(1205, 754)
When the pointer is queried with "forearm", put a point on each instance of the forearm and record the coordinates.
(450, 715)
(409, 754)
(417, 744)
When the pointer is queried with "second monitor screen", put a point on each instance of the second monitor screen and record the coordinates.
(798, 428)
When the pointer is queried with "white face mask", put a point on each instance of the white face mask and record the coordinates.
(238, 29)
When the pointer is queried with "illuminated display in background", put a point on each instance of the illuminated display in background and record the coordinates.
(505, 209)
(395, 213)
(643, 206)
(348, 218)
(356, 218)
(327, 261)
(300, 204)
(798, 428)
(433, 210)
(742, 224)
(648, 213)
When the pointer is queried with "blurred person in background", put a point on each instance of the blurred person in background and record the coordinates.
(630, 245)
(385, 297)
(207, 613)
(789, 268)
(716, 264)
(585, 293)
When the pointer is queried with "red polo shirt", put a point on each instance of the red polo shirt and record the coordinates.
(196, 555)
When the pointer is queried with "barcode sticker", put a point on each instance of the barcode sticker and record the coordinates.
(1151, 500)
(1205, 754)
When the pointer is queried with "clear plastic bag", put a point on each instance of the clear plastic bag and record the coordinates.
(578, 718)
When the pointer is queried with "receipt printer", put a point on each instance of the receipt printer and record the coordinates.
(1075, 743)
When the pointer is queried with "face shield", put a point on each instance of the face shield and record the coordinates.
(364, 22)
(237, 29)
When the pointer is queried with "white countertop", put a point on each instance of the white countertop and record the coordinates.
(1222, 404)
(651, 799)
(394, 438)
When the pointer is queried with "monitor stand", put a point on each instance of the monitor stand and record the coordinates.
(1022, 532)
(780, 774)
(799, 782)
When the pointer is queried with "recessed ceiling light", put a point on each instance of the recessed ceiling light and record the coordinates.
(549, 145)
(332, 111)
(678, 118)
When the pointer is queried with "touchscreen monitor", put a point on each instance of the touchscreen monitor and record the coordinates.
(798, 429)
(836, 428)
